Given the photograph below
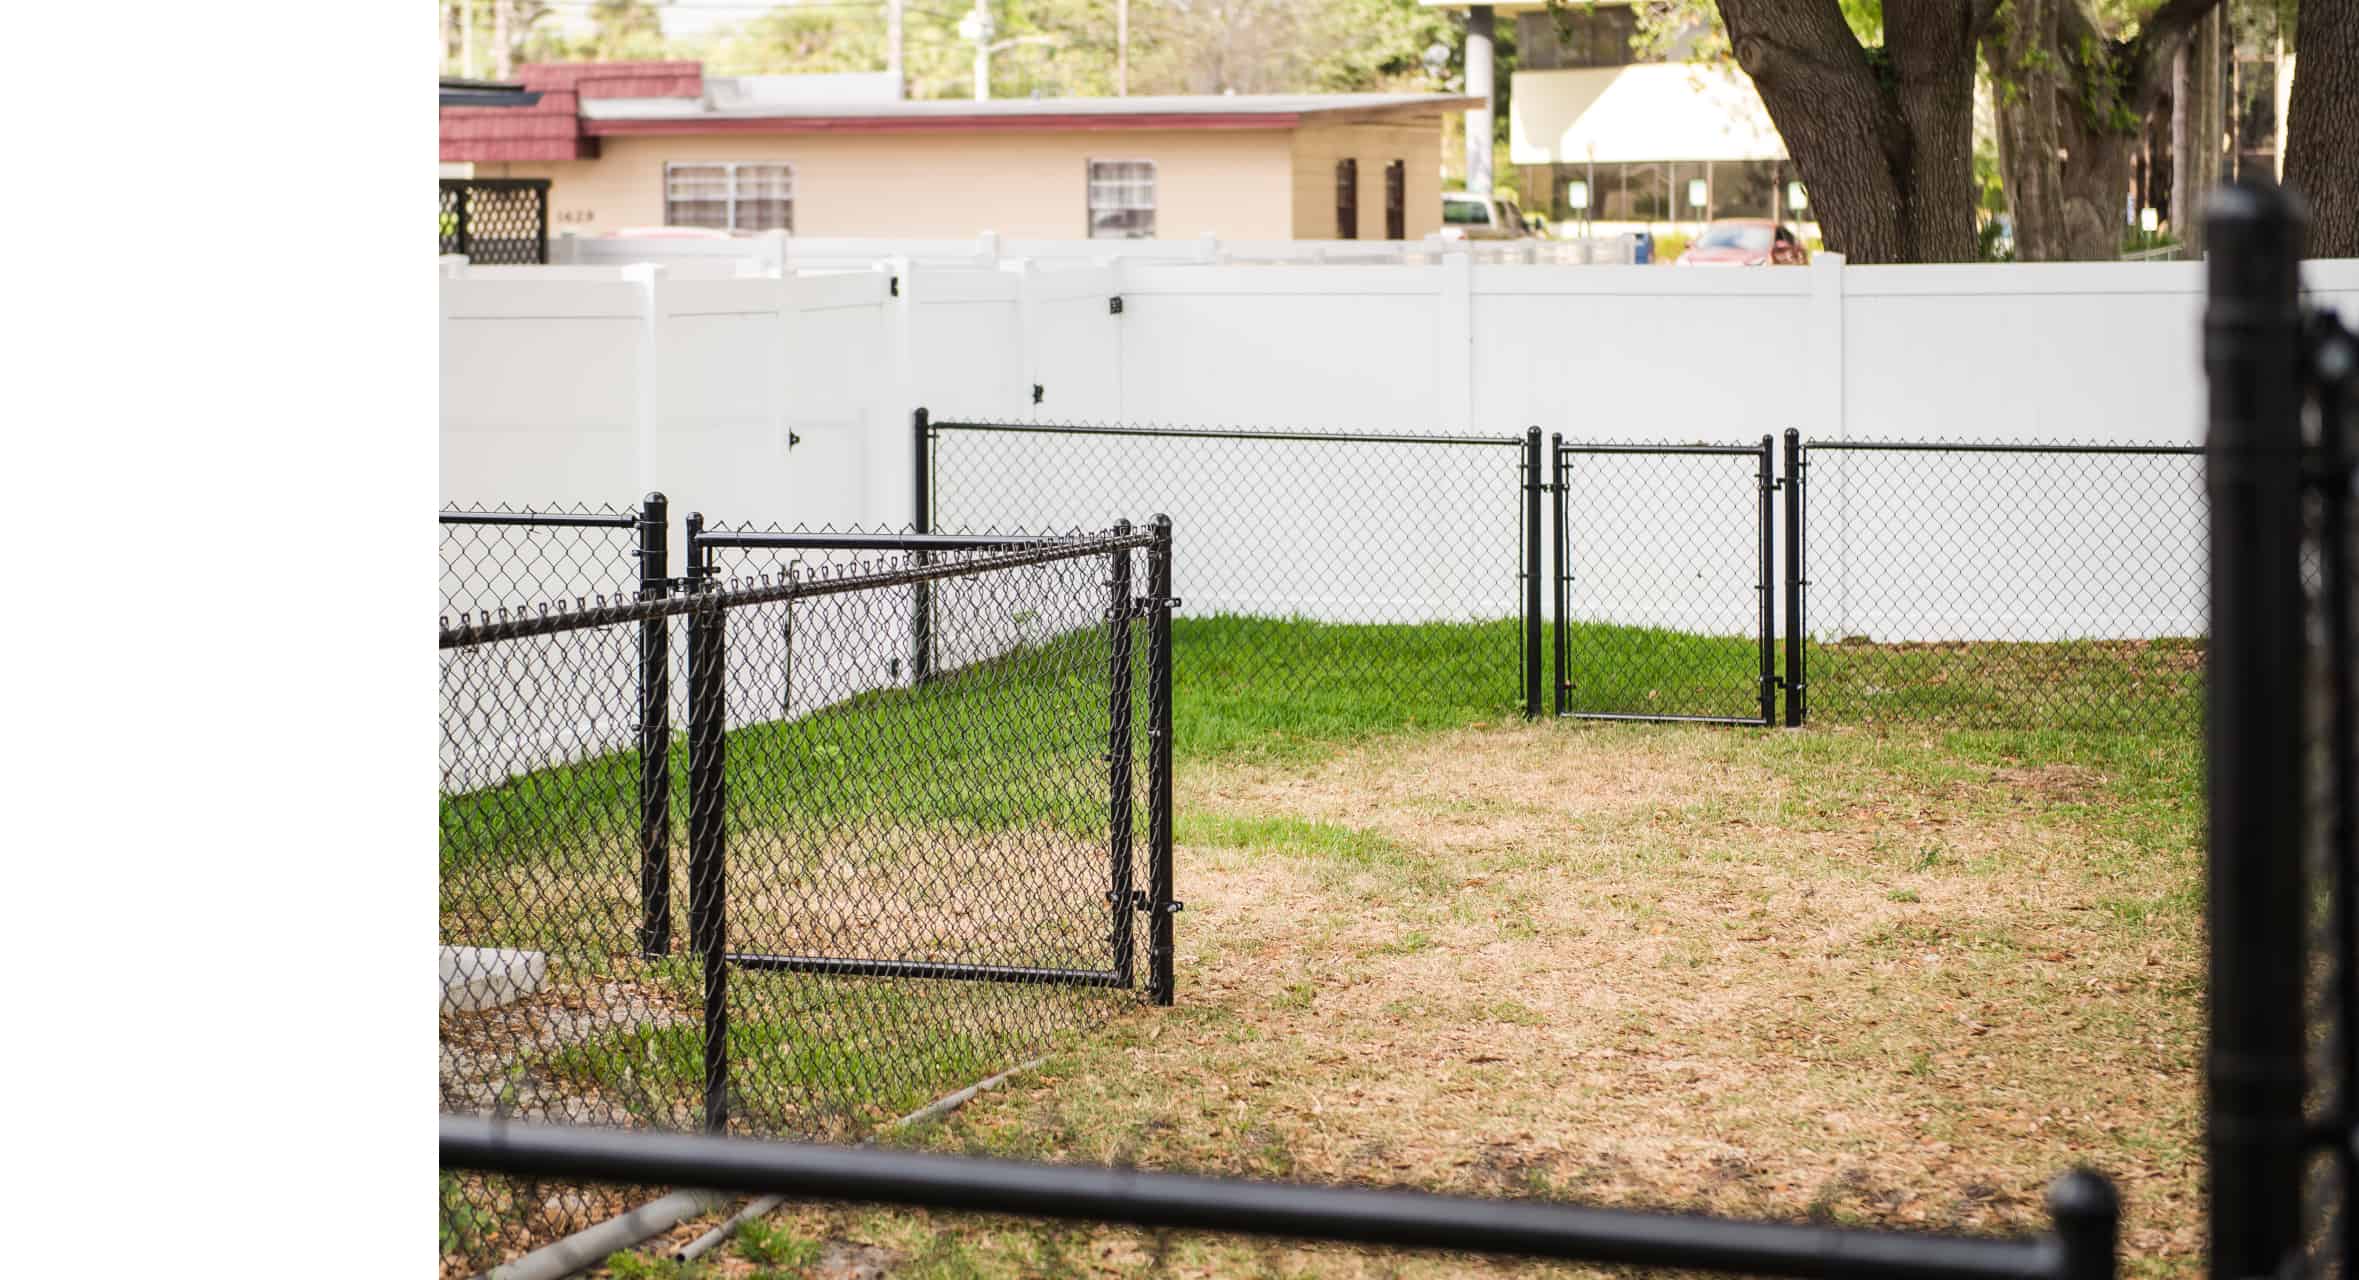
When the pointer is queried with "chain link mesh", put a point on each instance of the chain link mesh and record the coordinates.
(1660, 556)
(1324, 574)
(2006, 586)
(919, 882)
(495, 221)
(490, 563)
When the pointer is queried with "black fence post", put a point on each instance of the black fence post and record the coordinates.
(2086, 1214)
(1766, 575)
(466, 199)
(921, 608)
(655, 733)
(1160, 905)
(541, 224)
(1797, 663)
(708, 741)
(1534, 481)
(1120, 608)
(1560, 475)
(2254, 1077)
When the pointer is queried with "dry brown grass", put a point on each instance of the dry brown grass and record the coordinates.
(1803, 978)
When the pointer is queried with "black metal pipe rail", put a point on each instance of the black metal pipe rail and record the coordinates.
(1734, 450)
(557, 617)
(855, 968)
(1797, 677)
(1160, 905)
(1208, 433)
(1535, 488)
(2082, 1206)
(715, 539)
(1986, 446)
(622, 520)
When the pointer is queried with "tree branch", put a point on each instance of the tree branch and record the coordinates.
(2158, 40)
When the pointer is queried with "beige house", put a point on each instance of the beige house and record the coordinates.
(638, 145)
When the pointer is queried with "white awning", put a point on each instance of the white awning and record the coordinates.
(1657, 111)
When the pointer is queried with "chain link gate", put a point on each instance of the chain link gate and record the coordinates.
(1665, 597)
(891, 888)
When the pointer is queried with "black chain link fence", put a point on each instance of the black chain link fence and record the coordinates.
(505, 557)
(496, 221)
(2025, 586)
(1665, 592)
(714, 856)
(1335, 583)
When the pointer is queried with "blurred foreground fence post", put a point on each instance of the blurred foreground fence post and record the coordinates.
(2254, 1068)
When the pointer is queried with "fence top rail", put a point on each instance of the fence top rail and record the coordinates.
(581, 614)
(1229, 433)
(560, 520)
(2084, 1207)
(876, 541)
(1999, 446)
(1736, 450)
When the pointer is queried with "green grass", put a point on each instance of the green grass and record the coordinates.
(1017, 741)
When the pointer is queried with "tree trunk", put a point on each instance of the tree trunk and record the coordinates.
(2322, 123)
(2070, 103)
(1888, 158)
(2196, 126)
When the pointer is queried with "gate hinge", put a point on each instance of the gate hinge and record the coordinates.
(1139, 901)
(1114, 305)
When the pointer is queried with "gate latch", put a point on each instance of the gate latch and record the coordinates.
(1144, 605)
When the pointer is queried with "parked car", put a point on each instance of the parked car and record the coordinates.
(1745, 242)
(1467, 216)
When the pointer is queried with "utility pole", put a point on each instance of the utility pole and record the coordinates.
(1478, 85)
(893, 47)
(1121, 48)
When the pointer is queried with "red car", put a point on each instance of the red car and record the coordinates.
(1745, 242)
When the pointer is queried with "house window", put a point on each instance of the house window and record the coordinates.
(1347, 199)
(1396, 200)
(1121, 199)
(731, 197)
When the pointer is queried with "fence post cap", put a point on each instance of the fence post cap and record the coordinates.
(2081, 1195)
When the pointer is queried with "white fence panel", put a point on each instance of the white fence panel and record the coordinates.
(1314, 347)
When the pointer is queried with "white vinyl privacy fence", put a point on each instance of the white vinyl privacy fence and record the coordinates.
(787, 398)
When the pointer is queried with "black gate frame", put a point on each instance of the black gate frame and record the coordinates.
(1765, 584)
(704, 603)
(924, 431)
